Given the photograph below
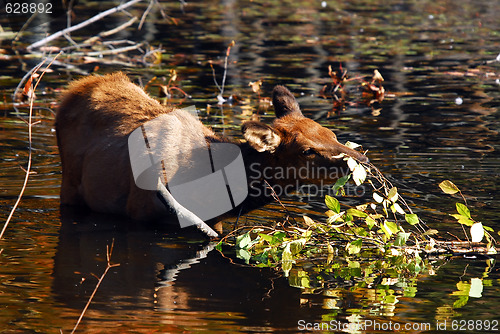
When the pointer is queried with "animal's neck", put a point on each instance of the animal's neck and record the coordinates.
(256, 165)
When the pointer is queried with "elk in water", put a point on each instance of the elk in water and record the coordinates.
(98, 114)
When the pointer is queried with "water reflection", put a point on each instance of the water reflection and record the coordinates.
(175, 276)
(177, 282)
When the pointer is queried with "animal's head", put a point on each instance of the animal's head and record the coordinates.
(295, 147)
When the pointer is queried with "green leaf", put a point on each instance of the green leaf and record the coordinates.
(461, 301)
(262, 259)
(393, 195)
(243, 254)
(386, 230)
(489, 229)
(357, 213)
(296, 246)
(332, 203)
(354, 247)
(392, 226)
(340, 183)
(266, 237)
(370, 222)
(389, 228)
(411, 218)
(286, 260)
(448, 187)
(462, 219)
(242, 241)
(279, 235)
(401, 238)
(463, 210)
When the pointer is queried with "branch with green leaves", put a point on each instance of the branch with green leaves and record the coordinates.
(385, 227)
(477, 230)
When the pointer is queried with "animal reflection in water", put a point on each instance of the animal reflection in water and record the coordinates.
(157, 273)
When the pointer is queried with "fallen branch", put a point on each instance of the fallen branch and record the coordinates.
(31, 92)
(81, 25)
(109, 250)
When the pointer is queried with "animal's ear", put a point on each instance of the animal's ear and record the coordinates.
(284, 102)
(261, 136)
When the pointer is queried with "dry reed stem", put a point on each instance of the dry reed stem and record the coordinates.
(30, 125)
(109, 251)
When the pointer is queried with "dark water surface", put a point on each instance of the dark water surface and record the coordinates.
(439, 120)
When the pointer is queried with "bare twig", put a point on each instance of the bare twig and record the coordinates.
(275, 196)
(111, 31)
(228, 51)
(221, 88)
(91, 41)
(387, 185)
(30, 125)
(109, 251)
(214, 76)
(146, 12)
(25, 25)
(119, 28)
(82, 24)
(108, 52)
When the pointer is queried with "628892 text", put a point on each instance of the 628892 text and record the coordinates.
(28, 8)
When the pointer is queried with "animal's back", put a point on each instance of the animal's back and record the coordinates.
(104, 103)
(92, 124)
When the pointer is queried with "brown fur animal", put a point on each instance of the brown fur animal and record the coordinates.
(98, 113)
